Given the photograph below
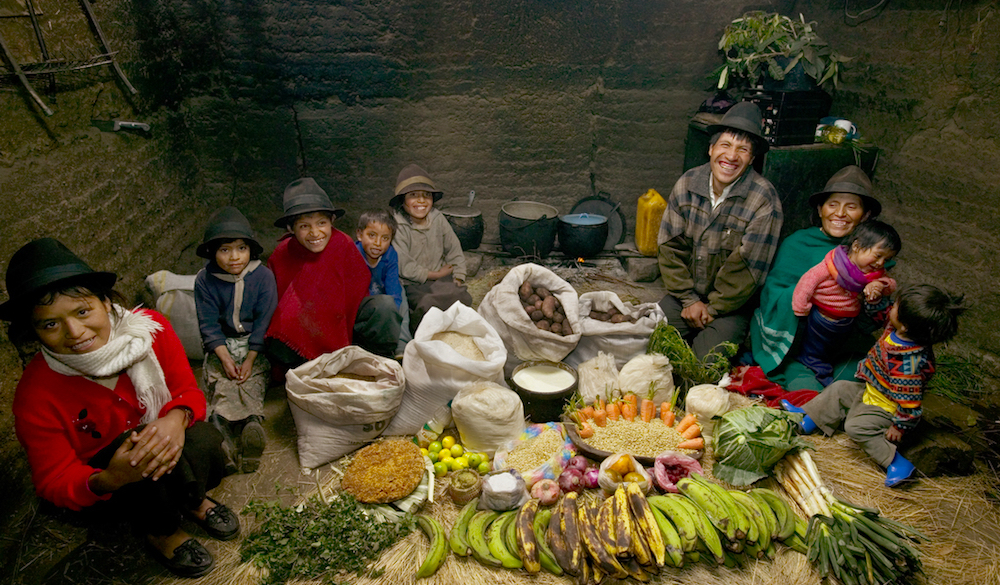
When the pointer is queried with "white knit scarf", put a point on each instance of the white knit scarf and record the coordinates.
(129, 349)
(237, 279)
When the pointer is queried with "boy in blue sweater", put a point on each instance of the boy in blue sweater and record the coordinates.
(376, 228)
(235, 296)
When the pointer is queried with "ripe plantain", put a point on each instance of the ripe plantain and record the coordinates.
(458, 537)
(605, 526)
(645, 522)
(524, 534)
(622, 517)
(477, 537)
(570, 525)
(497, 546)
(557, 542)
(439, 546)
(606, 562)
(545, 556)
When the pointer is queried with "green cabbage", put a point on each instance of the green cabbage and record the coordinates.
(750, 441)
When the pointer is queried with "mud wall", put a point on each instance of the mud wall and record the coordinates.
(535, 100)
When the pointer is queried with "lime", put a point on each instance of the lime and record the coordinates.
(440, 469)
(424, 452)
(434, 447)
(434, 456)
(447, 441)
(484, 456)
(445, 457)
(458, 463)
(474, 460)
(457, 450)
(484, 468)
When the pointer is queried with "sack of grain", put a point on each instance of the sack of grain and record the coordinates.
(624, 339)
(342, 401)
(502, 308)
(450, 350)
(487, 415)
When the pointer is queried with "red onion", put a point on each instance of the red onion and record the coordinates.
(546, 490)
(590, 477)
(571, 480)
(577, 462)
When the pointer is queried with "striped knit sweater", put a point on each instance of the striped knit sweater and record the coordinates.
(818, 286)
(900, 373)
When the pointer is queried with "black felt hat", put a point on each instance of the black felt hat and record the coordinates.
(850, 179)
(743, 116)
(410, 179)
(38, 265)
(305, 196)
(227, 224)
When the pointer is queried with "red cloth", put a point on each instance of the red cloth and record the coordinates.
(751, 381)
(63, 421)
(318, 294)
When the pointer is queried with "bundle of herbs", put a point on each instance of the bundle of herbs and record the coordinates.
(666, 340)
(318, 540)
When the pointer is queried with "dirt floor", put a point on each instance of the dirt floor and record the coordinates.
(58, 548)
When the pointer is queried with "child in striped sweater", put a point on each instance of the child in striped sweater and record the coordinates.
(886, 400)
(829, 294)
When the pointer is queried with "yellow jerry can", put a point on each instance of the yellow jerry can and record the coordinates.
(648, 215)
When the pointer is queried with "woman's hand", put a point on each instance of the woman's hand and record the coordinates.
(697, 315)
(157, 448)
(120, 471)
(893, 435)
(247, 366)
(232, 370)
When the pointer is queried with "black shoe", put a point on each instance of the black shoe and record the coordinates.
(191, 559)
(252, 442)
(229, 450)
(220, 522)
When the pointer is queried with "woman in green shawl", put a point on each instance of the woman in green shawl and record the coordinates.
(844, 203)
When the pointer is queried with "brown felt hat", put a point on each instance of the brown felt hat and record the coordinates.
(227, 224)
(305, 196)
(413, 178)
(850, 179)
(39, 265)
(743, 116)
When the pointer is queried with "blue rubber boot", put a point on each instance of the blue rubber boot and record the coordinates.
(898, 471)
(807, 426)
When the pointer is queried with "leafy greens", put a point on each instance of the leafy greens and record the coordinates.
(751, 440)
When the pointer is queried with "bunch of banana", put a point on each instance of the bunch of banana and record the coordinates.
(439, 546)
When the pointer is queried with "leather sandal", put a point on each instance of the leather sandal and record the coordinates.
(220, 522)
(191, 559)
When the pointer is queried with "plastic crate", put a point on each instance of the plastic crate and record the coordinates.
(790, 117)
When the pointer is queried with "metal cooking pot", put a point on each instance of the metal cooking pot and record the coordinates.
(467, 222)
(582, 235)
(528, 228)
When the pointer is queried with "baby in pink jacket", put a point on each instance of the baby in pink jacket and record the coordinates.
(829, 294)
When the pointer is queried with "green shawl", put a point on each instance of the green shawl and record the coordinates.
(773, 328)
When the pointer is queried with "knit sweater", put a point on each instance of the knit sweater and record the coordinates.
(900, 373)
(818, 286)
(63, 421)
(213, 299)
(428, 248)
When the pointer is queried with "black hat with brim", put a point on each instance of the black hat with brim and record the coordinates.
(850, 179)
(227, 224)
(41, 264)
(410, 179)
(746, 117)
(305, 196)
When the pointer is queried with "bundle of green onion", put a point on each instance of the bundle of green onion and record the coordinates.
(852, 543)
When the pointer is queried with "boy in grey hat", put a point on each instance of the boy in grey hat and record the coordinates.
(718, 235)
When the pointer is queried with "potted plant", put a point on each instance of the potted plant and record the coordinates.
(761, 46)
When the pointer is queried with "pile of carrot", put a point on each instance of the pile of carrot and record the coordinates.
(601, 412)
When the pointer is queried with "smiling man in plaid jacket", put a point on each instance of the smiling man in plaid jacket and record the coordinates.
(719, 234)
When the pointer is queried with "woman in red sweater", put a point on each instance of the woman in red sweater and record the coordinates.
(109, 412)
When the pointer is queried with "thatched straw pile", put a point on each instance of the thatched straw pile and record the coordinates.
(963, 526)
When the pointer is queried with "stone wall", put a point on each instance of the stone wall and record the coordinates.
(533, 100)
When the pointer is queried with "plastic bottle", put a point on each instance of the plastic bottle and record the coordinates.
(433, 428)
(649, 213)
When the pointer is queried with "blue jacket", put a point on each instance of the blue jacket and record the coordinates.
(213, 299)
(385, 274)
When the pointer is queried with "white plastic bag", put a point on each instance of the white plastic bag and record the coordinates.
(503, 310)
(334, 416)
(645, 373)
(597, 377)
(623, 340)
(706, 402)
(487, 415)
(609, 485)
(435, 372)
(174, 298)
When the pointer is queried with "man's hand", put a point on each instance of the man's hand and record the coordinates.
(893, 435)
(697, 315)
